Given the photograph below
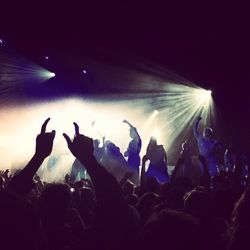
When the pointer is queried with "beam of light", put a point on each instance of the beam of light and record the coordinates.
(17, 71)
(150, 120)
(202, 97)
(173, 117)
(46, 74)
(150, 102)
(178, 101)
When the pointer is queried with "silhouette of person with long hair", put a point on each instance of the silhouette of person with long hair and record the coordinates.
(157, 156)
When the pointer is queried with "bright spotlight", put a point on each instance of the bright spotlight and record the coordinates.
(46, 58)
(46, 74)
(1, 40)
(51, 74)
(84, 71)
(202, 96)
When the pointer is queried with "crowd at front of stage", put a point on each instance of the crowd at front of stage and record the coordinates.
(201, 205)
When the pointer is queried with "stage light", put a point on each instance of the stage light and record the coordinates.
(51, 74)
(84, 71)
(1, 40)
(202, 96)
(46, 74)
(46, 58)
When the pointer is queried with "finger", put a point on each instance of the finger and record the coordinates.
(67, 139)
(43, 129)
(76, 129)
(53, 133)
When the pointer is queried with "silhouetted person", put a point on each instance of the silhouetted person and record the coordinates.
(78, 171)
(173, 230)
(114, 161)
(183, 167)
(207, 147)
(157, 156)
(134, 148)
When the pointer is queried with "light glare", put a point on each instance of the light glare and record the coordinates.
(47, 74)
(51, 74)
(202, 96)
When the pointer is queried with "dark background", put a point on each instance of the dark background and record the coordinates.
(208, 45)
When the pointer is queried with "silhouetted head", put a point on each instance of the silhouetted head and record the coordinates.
(55, 198)
(171, 230)
(152, 141)
(146, 204)
(208, 133)
(198, 202)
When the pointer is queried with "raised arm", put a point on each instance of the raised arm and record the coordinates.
(132, 127)
(143, 174)
(22, 183)
(129, 124)
(111, 209)
(196, 128)
(106, 187)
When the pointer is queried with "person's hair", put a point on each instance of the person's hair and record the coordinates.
(198, 203)
(173, 230)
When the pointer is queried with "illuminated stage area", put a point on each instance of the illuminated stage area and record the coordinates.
(171, 124)
(157, 102)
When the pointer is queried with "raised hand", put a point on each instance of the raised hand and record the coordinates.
(44, 141)
(81, 146)
(129, 124)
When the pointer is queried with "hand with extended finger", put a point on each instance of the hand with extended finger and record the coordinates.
(44, 141)
(81, 146)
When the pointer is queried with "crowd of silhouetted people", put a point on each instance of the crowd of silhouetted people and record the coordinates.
(128, 201)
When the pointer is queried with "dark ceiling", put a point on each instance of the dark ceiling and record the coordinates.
(207, 45)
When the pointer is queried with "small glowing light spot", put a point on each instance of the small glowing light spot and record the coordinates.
(46, 58)
(51, 74)
(84, 71)
(1, 40)
(156, 112)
